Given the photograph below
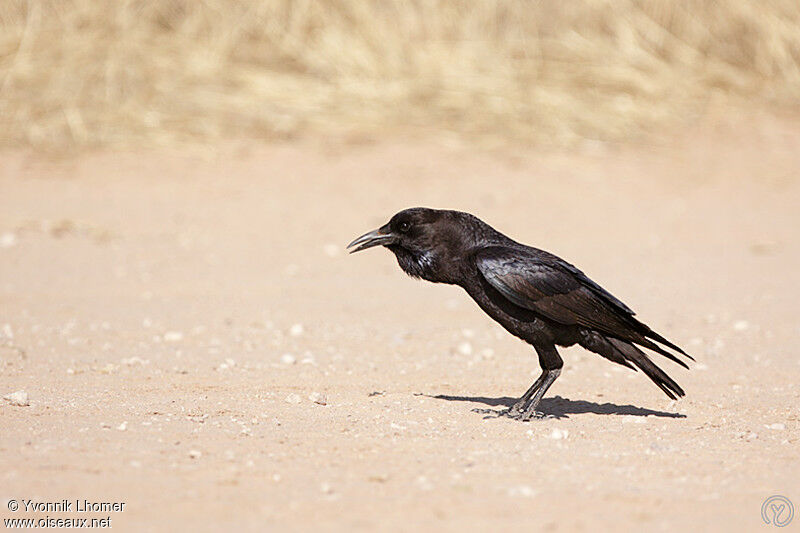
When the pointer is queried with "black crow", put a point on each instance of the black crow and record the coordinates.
(533, 294)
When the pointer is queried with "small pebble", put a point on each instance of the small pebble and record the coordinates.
(107, 369)
(229, 363)
(123, 426)
(465, 348)
(7, 240)
(173, 336)
(19, 398)
(559, 434)
(424, 484)
(522, 491)
(777, 426)
(318, 398)
(296, 330)
(741, 325)
(131, 361)
(326, 488)
(293, 398)
(288, 359)
(195, 454)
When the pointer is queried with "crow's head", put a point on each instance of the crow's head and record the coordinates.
(428, 243)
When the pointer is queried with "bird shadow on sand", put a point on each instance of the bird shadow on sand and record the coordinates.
(559, 407)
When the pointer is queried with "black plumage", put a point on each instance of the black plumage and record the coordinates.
(533, 294)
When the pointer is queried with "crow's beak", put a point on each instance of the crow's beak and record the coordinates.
(379, 237)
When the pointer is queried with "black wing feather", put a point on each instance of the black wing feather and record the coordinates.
(543, 283)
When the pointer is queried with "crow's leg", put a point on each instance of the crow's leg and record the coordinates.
(519, 406)
(551, 364)
(530, 411)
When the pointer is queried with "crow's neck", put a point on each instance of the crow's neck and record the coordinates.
(422, 265)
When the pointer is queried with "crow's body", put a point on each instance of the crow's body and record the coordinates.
(533, 294)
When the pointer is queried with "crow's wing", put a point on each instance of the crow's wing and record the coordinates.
(547, 285)
(554, 289)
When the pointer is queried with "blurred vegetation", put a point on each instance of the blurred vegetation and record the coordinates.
(95, 73)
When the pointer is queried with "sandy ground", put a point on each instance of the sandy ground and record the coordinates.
(174, 317)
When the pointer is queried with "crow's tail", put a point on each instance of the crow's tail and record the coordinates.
(626, 354)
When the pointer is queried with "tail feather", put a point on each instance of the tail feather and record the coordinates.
(650, 345)
(640, 359)
(647, 332)
(627, 354)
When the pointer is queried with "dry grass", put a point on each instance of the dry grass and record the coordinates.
(86, 73)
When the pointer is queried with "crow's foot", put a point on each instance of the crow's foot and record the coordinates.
(534, 415)
(513, 414)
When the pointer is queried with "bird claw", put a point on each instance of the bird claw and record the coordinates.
(535, 415)
(527, 416)
(514, 414)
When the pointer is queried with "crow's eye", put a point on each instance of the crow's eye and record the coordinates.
(404, 227)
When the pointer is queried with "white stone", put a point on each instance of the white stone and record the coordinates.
(293, 398)
(424, 484)
(288, 359)
(296, 330)
(173, 336)
(318, 398)
(19, 398)
(7, 240)
(522, 491)
(741, 325)
(131, 361)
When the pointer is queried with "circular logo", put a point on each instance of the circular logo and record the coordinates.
(777, 510)
(13, 505)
